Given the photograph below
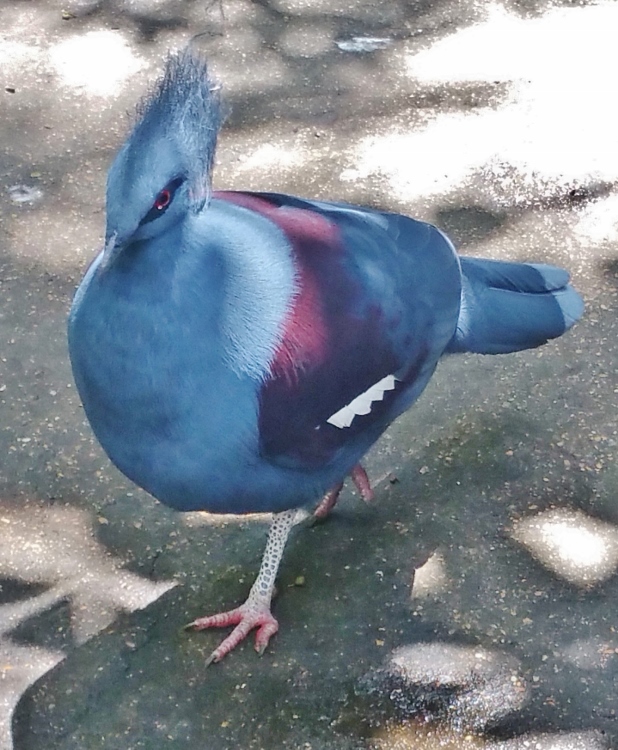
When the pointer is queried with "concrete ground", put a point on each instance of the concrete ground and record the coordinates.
(473, 605)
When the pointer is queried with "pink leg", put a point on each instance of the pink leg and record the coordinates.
(328, 502)
(361, 482)
(255, 612)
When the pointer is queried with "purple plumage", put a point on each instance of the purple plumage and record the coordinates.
(241, 352)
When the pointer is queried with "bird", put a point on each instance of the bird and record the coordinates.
(240, 352)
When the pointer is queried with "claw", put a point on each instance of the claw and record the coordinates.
(246, 617)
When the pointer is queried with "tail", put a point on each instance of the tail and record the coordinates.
(506, 307)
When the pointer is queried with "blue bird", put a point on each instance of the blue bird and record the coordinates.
(240, 352)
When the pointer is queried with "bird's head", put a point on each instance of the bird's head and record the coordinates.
(164, 169)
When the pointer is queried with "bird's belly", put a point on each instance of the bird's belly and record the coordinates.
(181, 427)
(168, 415)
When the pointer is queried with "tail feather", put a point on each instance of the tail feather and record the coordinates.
(507, 307)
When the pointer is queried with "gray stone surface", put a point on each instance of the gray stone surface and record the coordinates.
(489, 558)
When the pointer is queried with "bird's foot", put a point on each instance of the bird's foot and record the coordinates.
(255, 612)
(328, 502)
(252, 614)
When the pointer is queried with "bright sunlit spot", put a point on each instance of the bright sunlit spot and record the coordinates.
(579, 546)
(431, 578)
(574, 546)
(541, 78)
(275, 156)
(98, 62)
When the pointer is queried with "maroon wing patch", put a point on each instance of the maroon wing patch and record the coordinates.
(332, 347)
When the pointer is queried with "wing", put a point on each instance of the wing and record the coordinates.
(377, 303)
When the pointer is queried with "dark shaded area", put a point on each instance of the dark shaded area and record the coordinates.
(50, 629)
(361, 593)
(470, 224)
(14, 590)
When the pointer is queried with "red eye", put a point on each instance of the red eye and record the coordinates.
(162, 200)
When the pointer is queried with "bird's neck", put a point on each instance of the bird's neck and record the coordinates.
(259, 286)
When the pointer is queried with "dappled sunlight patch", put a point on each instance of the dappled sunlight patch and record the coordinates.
(273, 156)
(416, 736)
(416, 164)
(598, 221)
(20, 667)
(537, 123)
(419, 736)
(449, 664)
(431, 578)
(16, 55)
(315, 8)
(98, 62)
(203, 518)
(576, 547)
(467, 687)
(491, 50)
(585, 740)
(55, 547)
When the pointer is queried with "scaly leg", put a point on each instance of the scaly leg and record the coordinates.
(328, 502)
(255, 612)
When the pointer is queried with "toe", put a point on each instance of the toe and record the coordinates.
(246, 618)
